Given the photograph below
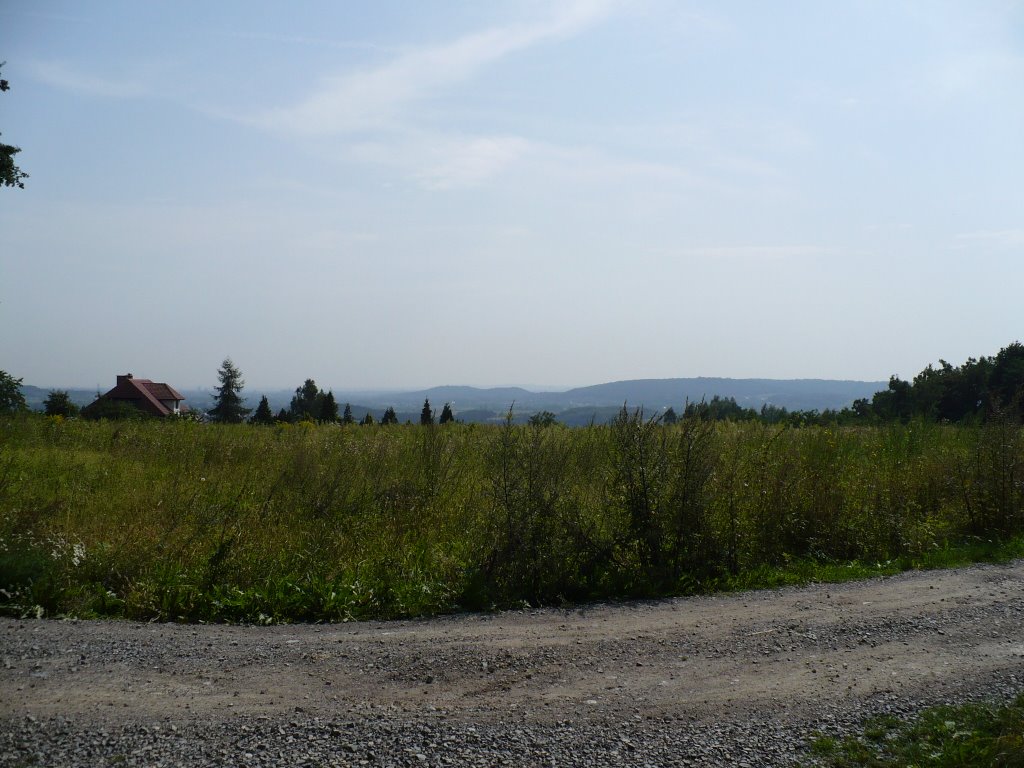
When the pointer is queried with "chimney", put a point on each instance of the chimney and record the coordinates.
(121, 379)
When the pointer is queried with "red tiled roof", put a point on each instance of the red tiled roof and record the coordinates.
(162, 391)
(144, 394)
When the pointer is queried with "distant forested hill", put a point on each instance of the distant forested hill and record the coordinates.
(802, 394)
(580, 405)
(792, 394)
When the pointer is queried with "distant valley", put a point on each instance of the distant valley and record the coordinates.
(579, 406)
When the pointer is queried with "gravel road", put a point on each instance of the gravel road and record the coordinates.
(742, 679)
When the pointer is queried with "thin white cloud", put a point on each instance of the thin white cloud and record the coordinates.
(596, 166)
(60, 75)
(991, 238)
(324, 42)
(438, 162)
(760, 252)
(977, 71)
(371, 98)
(471, 162)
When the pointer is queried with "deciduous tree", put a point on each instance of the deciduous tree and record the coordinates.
(113, 410)
(10, 174)
(1006, 384)
(543, 419)
(11, 399)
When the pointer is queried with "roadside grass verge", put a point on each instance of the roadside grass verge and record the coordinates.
(798, 573)
(966, 736)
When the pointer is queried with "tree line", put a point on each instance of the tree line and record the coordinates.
(969, 392)
(310, 403)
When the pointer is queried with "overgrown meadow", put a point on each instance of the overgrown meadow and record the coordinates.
(185, 521)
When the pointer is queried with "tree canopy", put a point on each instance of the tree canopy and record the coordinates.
(10, 174)
(113, 410)
(11, 398)
(543, 419)
(305, 405)
(972, 391)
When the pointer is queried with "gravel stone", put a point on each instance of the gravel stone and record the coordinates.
(747, 679)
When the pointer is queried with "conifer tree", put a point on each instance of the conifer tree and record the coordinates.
(328, 408)
(346, 417)
(228, 406)
(426, 415)
(305, 404)
(367, 420)
(263, 414)
(389, 417)
(446, 414)
(58, 403)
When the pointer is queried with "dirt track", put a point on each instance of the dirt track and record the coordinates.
(727, 675)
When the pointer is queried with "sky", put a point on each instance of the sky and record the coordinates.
(546, 194)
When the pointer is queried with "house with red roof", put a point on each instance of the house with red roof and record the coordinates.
(151, 397)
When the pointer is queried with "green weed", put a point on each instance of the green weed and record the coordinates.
(968, 736)
(183, 521)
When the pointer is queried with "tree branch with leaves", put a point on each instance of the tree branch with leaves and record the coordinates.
(10, 174)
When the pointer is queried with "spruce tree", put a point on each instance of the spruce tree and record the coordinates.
(328, 408)
(426, 415)
(58, 403)
(228, 406)
(346, 417)
(389, 417)
(263, 414)
(446, 414)
(367, 420)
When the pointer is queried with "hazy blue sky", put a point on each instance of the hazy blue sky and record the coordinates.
(401, 194)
